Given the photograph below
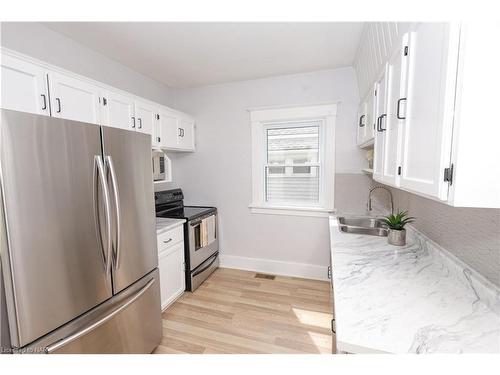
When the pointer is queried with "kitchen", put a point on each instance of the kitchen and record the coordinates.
(243, 205)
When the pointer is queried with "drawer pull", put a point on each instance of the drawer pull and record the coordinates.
(167, 241)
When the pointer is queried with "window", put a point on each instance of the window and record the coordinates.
(293, 160)
(294, 146)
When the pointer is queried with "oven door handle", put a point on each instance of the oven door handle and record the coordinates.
(195, 223)
(197, 272)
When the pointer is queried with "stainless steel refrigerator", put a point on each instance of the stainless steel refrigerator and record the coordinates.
(78, 241)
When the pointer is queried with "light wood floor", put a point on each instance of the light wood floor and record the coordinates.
(235, 312)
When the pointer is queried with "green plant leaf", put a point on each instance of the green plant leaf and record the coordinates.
(399, 220)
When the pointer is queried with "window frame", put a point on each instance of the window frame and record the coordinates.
(262, 119)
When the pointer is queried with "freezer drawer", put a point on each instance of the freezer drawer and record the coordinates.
(130, 322)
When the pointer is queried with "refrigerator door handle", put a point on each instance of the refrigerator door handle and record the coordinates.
(99, 172)
(89, 328)
(116, 196)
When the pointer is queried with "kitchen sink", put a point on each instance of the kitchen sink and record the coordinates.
(363, 225)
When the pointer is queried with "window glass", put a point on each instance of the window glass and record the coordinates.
(292, 171)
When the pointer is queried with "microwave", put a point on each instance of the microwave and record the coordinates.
(159, 165)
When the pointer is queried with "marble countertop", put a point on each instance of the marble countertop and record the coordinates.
(416, 298)
(164, 224)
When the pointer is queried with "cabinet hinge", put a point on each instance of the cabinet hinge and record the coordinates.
(448, 174)
(104, 101)
(405, 53)
(399, 171)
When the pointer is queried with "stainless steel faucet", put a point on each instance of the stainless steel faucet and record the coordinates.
(369, 204)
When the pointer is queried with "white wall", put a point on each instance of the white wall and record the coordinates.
(40, 42)
(219, 172)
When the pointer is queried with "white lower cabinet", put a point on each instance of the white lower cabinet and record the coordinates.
(171, 265)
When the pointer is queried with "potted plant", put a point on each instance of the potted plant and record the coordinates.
(396, 224)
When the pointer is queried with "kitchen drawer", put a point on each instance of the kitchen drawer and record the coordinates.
(171, 237)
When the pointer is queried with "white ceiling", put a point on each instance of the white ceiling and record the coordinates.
(182, 55)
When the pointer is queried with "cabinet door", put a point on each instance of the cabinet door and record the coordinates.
(432, 54)
(186, 134)
(172, 278)
(394, 119)
(24, 86)
(156, 135)
(380, 127)
(73, 99)
(145, 114)
(117, 110)
(169, 129)
(361, 123)
(370, 117)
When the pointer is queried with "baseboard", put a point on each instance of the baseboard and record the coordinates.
(171, 300)
(275, 267)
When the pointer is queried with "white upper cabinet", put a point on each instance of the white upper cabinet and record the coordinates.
(175, 130)
(366, 121)
(361, 123)
(427, 131)
(74, 99)
(168, 128)
(186, 134)
(33, 86)
(395, 114)
(117, 110)
(24, 86)
(475, 156)
(370, 116)
(435, 136)
(380, 126)
(145, 117)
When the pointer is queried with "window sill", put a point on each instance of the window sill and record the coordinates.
(291, 211)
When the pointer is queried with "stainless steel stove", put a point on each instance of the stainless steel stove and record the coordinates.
(201, 243)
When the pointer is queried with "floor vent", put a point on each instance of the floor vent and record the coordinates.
(264, 276)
